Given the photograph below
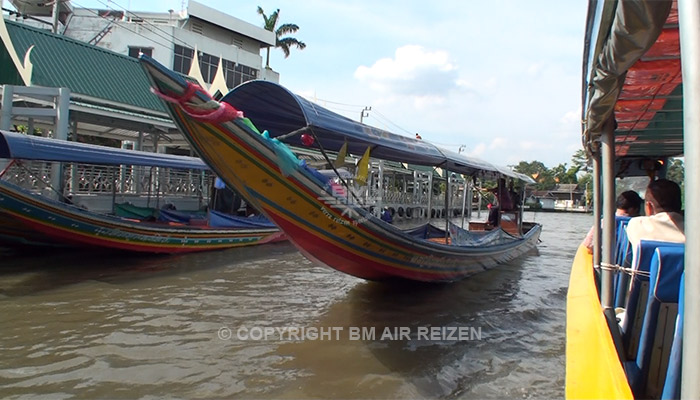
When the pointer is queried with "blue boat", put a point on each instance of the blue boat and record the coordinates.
(31, 218)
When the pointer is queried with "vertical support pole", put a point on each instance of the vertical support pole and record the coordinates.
(689, 27)
(430, 194)
(380, 189)
(478, 209)
(597, 210)
(465, 192)
(73, 168)
(55, 13)
(448, 191)
(61, 121)
(608, 151)
(138, 170)
(6, 111)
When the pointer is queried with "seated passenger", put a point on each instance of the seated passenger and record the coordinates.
(628, 204)
(386, 215)
(664, 218)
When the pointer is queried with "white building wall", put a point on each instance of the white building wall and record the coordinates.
(162, 37)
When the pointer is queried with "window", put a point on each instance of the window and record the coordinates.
(208, 64)
(244, 74)
(236, 74)
(135, 51)
(229, 73)
(183, 59)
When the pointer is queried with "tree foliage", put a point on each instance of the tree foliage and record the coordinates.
(283, 43)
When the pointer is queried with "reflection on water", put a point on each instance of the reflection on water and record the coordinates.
(78, 325)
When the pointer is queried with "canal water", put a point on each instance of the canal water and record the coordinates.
(263, 322)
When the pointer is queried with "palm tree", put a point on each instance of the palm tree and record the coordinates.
(284, 43)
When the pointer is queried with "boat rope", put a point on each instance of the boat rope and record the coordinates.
(625, 270)
(7, 167)
(210, 111)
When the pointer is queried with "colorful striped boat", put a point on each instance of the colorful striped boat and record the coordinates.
(324, 223)
(31, 219)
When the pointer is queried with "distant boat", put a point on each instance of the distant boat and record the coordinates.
(28, 218)
(319, 215)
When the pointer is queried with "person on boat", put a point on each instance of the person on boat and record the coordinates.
(418, 137)
(386, 215)
(628, 204)
(503, 200)
(664, 217)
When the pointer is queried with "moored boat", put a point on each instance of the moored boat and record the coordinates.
(321, 216)
(34, 213)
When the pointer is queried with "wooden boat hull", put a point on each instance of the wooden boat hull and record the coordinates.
(48, 222)
(344, 237)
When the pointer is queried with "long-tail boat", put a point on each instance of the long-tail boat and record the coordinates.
(43, 216)
(633, 314)
(319, 215)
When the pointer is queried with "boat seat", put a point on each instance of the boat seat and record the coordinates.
(672, 383)
(623, 257)
(635, 306)
(509, 222)
(647, 372)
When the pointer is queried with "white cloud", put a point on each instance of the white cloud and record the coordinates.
(571, 117)
(414, 71)
(498, 143)
(478, 150)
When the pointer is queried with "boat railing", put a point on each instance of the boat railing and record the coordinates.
(97, 180)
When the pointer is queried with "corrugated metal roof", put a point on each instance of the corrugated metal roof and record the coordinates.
(89, 70)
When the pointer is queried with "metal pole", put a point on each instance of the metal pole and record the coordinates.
(597, 210)
(478, 209)
(6, 109)
(447, 207)
(689, 27)
(430, 194)
(608, 150)
(56, 4)
(464, 200)
(380, 189)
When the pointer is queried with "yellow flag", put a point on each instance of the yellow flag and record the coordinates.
(340, 160)
(363, 169)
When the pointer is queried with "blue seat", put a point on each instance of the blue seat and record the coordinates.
(639, 288)
(623, 257)
(647, 372)
(672, 384)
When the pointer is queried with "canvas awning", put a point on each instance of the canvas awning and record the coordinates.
(273, 108)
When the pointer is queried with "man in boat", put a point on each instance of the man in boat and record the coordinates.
(664, 218)
(628, 204)
(386, 215)
(504, 203)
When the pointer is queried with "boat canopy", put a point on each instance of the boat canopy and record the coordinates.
(18, 146)
(632, 73)
(273, 108)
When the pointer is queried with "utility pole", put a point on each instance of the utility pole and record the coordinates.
(365, 113)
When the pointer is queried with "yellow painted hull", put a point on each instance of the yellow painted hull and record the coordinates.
(593, 368)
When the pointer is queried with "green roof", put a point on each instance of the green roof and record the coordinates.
(85, 69)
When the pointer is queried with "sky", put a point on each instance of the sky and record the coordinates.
(502, 78)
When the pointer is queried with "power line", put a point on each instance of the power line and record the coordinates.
(169, 38)
(128, 29)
